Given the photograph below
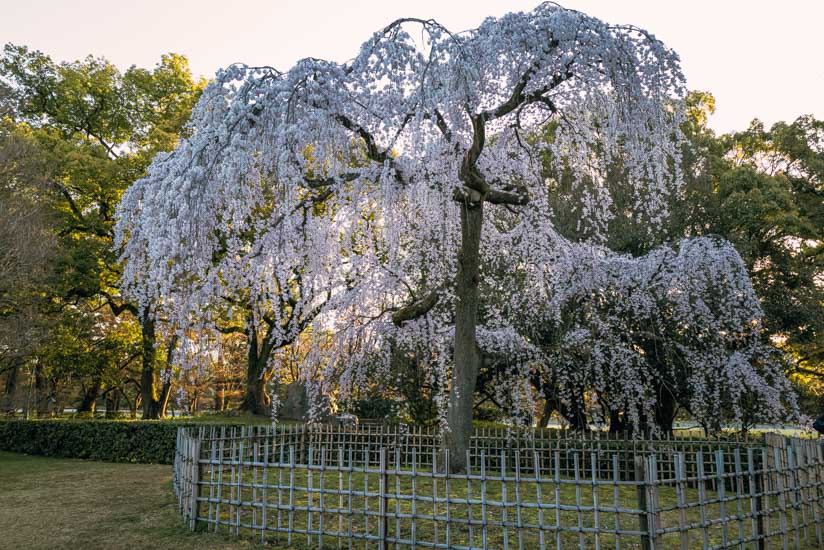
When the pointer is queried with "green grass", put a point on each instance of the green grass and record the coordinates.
(71, 504)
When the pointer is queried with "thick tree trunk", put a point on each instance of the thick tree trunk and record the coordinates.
(166, 390)
(255, 398)
(112, 403)
(546, 412)
(148, 391)
(90, 395)
(467, 358)
(7, 403)
(42, 391)
(665, 408)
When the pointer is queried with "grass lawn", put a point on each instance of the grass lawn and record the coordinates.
(71, 504)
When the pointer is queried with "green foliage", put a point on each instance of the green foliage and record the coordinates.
(762, 190)
(489, 415)
(97, 128)
(112, 441)
(28, 244)
(75, 135)
(375, 407)
(101, 127)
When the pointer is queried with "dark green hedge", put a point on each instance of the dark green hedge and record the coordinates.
(111, 441)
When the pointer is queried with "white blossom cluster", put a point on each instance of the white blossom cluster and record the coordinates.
(328, 197)
(685, 318)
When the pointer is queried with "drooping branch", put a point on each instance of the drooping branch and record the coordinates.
(416, 309)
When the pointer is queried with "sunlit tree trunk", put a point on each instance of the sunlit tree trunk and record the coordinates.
(220, 396)
(148, 391)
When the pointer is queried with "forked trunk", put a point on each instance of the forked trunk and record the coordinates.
(90, 395)
(467, 357)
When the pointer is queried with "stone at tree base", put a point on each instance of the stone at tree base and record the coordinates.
(296, 404)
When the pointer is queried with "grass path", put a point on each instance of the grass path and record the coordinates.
(70, 504)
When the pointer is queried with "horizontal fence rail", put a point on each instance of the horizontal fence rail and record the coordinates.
(375, 487)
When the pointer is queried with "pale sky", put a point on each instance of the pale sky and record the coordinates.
(760, 59)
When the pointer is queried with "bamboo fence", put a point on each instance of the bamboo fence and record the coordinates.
(374, 487)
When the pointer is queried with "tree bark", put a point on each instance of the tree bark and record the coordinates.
(112, 403)
(9, 392)
(89, 402)
(665, 409)
(467, 356)
(42, 391)
(255, 398)
(617, 425)
(194, 402)
(166, 390)
(148, 391)
(574, 411)
(134, 406)
(546, 412)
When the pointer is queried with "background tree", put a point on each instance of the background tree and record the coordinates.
(100, 127)
(769, 201)
(25, 316)
(761, 190)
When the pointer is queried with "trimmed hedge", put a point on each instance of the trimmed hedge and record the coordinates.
(110, 441)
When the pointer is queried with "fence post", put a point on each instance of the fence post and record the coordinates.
(721, 491)
(756, 478)
(680, 490)
(195, 507)
(641, 476)
(384, 520)
(653, 504)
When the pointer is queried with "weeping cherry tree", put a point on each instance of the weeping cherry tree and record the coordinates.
(373, 179)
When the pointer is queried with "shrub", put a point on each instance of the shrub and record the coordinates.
(374, 408)
(488, 414)
(108, 440)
